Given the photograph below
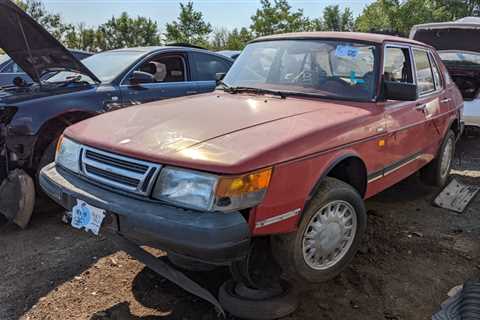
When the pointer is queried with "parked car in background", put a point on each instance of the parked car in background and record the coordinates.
(9, 70)
(32, 116)
(457, 45)
(279, 161)
(233, 54)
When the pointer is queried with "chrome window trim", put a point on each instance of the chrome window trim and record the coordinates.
(430, 92)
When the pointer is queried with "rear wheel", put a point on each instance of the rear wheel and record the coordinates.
(437, 172)
(328, 236)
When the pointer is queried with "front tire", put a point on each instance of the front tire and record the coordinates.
(437, 172)
(328, 236)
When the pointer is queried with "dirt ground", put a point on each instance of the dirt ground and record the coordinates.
(413, 255)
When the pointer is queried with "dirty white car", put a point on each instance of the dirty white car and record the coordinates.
(458, 44)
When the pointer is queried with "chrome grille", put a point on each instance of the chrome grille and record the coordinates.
(120, 172)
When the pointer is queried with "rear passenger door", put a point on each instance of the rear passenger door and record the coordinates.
(433, 98)
(172, 79)
(204, 68)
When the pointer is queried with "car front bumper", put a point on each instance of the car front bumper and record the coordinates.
(216, 238)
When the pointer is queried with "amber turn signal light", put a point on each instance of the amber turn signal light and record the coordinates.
(238, 185)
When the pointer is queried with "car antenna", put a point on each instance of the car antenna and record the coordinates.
(29, 50)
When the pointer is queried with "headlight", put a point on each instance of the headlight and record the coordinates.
(187, 188)
(68, 154)
(209, 192)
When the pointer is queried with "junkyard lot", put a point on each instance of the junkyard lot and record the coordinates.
(414, 253)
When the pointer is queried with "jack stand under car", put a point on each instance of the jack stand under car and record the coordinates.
(17, 197)
(256, 290)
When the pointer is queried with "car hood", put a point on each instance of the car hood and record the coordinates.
(12, 96)
(31, 46)
(461, 35)
(217, 132)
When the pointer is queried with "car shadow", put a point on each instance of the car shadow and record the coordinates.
(40, 259)
(166, 298)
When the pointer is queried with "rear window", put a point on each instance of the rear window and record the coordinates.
(206, 66)
(423, 71)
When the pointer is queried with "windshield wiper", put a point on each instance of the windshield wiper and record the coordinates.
(234, 90)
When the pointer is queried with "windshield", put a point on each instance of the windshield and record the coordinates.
(337, 69)
(460, 58)
(106, 66)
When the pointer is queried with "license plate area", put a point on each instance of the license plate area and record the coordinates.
(87, 217)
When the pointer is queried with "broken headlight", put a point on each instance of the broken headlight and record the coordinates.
(68, 154)
(204, 191)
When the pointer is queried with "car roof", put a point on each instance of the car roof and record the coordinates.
(359, 36)
(152, 49)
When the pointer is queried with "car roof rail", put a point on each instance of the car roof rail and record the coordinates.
(184, 44)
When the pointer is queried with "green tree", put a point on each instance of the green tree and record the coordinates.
(190, 27)
(52, 22)
(125, 31)
(398, 16)
(277, 17)
(238, 39)
(336, 20)
(219, 39)
(374, 18)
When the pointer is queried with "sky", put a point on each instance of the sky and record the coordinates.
(220, 13)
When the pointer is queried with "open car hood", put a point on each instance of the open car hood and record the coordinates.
(460, 35)
(32, 47)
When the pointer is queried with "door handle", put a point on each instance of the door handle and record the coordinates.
(192, 92)
(445, 100)
(421, 107)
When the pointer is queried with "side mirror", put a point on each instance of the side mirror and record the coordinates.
(139, 77)
(219, 77)
(400, 91)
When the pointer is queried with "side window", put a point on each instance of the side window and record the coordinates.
(206, 66)
(397, 66)
(436, 73)
(423, 71)
(165, 68)
(12, 68)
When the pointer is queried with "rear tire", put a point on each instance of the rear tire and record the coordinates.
(437, 172)
(328, 236)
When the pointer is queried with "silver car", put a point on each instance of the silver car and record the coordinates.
(457, 45)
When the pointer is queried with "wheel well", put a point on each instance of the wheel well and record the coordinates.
(51, 129)
(353, 171)
(455, 127)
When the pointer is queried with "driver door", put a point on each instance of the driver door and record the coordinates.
(171, 79)
(405, 120)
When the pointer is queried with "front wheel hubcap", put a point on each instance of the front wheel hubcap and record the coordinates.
(329, 235)
(447, 158)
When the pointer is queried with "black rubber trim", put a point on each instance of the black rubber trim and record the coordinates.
(394, 166)
(217, 238)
